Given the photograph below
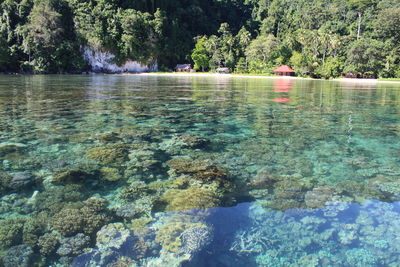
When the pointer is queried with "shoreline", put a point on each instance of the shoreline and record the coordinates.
(216, 75)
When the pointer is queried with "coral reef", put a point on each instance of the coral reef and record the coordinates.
(358, 239)
(73, 246)
(191, 198)
(136, 190)
(195, 239)
(17, 180)
(48, 243)
(110, 174)
(123, 262)
(256, 183)
(264, 178)
(107, 137)
(71, 176)
(32, 230)
(110, 154)
(54, 199)
(193, 141)
(5, 179)
(143, 160)
(178, 143)
(114, 245)
(138, 226)
(87, 219)
(112, 236)
(7, 149)
(20, 256)
(319, 196)
(214, 174)
(127, 211)
(11, 231)
(20, 180)
(188, 171)
(187, 165)
(174, 237)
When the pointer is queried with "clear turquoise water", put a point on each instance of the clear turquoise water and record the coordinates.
(110, 170)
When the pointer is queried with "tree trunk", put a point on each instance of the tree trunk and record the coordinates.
(359, 25)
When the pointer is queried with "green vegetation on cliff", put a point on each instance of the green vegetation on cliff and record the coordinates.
(319, 38)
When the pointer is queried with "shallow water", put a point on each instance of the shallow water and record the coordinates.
(110, 170)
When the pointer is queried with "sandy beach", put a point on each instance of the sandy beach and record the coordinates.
(216, 75)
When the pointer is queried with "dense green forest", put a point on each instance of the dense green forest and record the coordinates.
(318, 38)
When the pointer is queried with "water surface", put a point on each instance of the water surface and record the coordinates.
(107, 170)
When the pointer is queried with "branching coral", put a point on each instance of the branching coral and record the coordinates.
(110, 174)
(136, 190)
(192, 198)
(186, 165)
(32, 230)
(20, 256)
(110, 154)
(48, 243)
(88, 219)
(213, 174)
(11, 231)
(171, 237)
(200, 172)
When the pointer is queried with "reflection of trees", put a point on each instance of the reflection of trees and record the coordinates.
(34, 103)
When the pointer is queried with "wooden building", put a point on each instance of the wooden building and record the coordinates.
(284, 70)
(183, 68)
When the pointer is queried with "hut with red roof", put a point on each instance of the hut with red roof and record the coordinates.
(284, 70)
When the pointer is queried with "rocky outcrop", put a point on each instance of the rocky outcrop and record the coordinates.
(102, 61)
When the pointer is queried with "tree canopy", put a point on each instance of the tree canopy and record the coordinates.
(320, 38)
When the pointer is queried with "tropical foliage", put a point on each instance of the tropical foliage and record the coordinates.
(319, 38)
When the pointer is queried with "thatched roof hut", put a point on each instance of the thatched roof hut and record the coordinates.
(284, 70)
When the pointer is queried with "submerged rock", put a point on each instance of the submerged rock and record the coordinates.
(71, 176)
(17, 180)
(8, 148)
(193, 141)
(21, 179)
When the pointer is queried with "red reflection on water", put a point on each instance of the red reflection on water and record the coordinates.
(283, 85)
(282, 99)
